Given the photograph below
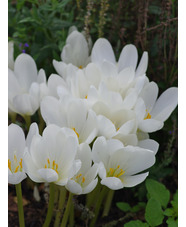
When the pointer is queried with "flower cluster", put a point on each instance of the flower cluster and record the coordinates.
(98, 114)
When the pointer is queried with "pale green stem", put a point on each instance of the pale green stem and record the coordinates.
(91, 197)
(20, 205)
(67, 211)
(108, 203)
(50, 206)
(62, 198)
(27, 119)
(98, 206)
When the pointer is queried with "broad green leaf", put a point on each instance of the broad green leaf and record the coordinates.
(123, 206)
(158, 191)
(168, 212)
(153, 212)
(136, 223)
(172, 223)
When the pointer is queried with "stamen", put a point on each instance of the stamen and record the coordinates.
(9, 165)
(148, 116)
(15, 158)
(86, 97)
(80, 67)
(16, 169)
(83, 180)
(45, 166)
(20, 163)
(76, 132)
(111, 171)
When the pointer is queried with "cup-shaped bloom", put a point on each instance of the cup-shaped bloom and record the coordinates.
(152, 112)
(75, 52)
(51, 157)
(85, 180)
(119, 165)
(72, 114)
(102, 51)
(25, 86)
(16, 146)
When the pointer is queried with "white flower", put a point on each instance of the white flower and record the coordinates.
(152, 112)
(16, 146)
(51, 157)
(25, 85)
(102, 51)
(119, 165)
(11, 55)
(85, 180)
(73, 114)
(75, 52)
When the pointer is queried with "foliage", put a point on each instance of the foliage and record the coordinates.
(157, 209)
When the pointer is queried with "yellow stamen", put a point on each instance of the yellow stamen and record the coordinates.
(15, 158)
(53, 164)
(76, 132)
(148, 116)
(86, 97)
(20, 163)
(111, 171)
(121, 173)
(118, 166)
(9, 165)
(80, 67)
(45, 166)
(78, 176)
(83, 180)
(117, 129)
(56, 166)
(16, 169)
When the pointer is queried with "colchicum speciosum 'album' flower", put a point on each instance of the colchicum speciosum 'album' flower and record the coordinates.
(85, 180)
(75, 54)
(120, 165)
(25, 86)
(51, 157)
(16, 146)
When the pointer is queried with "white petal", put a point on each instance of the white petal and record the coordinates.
(16, 178)
(23, 104)
(113, 183)
(128, 57)
(142, 67)
(41, 76)
(131, 181)
(150, 125)
(51, 111)
(13, 85)
(33, 130)
(149, 144)
(90, 187)
(149, 94)
(134, 159)
(102, 50)
(48, 175)
(60, 67)
(54, 81)
(165, 104)
(25, 70)
(16, 141)
(74, 187)
(106, 127)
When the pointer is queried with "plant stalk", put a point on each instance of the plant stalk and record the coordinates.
(67, 211)
(50, 206)
(20, 205)
(108, 203)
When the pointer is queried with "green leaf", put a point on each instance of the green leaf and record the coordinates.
(168, 212)
(136, 223)
(172, 223)
(123, 206)
(138, 207)
(153, 212)
(158, 191)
